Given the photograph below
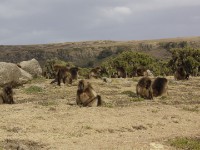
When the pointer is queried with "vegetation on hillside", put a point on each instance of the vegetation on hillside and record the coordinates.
(93, 53)
(170, 45)
(131, 61)
(188, 58)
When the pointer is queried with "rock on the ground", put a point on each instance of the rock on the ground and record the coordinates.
(11, 73)
(32, 66)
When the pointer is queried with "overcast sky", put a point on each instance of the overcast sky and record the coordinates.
(47, 21)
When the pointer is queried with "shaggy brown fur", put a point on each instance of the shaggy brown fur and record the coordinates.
(144, 89)
(74, 73)
(121, 72)
(95, 73)
(64, 75)
(6, 95)
(160, 86)
(86, 95)
(141, 72)
(180, 74)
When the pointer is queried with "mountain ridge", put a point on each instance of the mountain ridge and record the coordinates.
(83, 52)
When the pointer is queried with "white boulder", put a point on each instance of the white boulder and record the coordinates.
(11, 73)
(32, 66)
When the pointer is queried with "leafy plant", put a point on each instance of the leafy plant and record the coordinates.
(49, 69)
(170, 45)
(188, 58)
(105, 53)
(84, 72)
(130, 61)
(185, 143)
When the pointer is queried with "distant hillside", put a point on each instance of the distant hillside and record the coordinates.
(92, 52)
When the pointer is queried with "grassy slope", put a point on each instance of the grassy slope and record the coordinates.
(83, 52)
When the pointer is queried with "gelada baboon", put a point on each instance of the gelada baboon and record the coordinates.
(57, 67)
(63, 74)
(141, 72)
(86, 95)
(121, 72)
(74, 73)
(95, 73)
(143, 88)
(160, 86)
(181, 74)
(6, 95)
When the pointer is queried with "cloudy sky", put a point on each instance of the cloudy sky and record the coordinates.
(47, 21)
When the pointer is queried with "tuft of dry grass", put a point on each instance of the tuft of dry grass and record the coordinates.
(33, 90)
(136, 99)
(21, 144)
(193, 109)
(108, 104)
(129, 93)
(47, 103)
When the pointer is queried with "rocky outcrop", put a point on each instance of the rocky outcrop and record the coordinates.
(11, 73)
(32, 66)
(25, 76)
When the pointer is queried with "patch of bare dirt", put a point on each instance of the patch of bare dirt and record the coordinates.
(50, 119)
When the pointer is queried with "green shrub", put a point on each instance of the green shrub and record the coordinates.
(84, 72)
(185, 143)
(188, 58)
(104, 54)
(130, 61)
(49, 70)
(170, 45)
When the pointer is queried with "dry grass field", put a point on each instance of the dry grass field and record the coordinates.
(45, 117)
